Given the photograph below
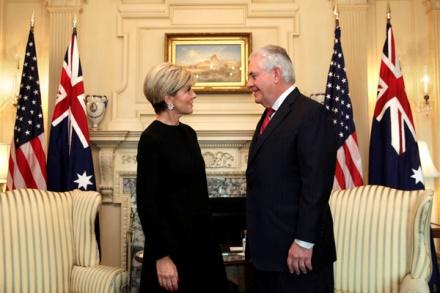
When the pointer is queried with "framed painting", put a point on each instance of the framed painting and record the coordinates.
(219, 61)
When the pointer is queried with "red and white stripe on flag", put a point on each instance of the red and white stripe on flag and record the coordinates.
(348, 172)
(27, 165)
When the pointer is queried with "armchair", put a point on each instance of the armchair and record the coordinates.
(382, 239)
(47, 243)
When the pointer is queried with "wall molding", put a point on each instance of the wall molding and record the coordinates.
(141, 22)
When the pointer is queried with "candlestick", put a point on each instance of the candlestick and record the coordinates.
(425, 81)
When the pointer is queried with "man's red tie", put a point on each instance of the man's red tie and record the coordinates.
(266, 120)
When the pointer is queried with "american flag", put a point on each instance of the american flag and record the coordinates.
(337, 100)
(27, 160)
(69, 159)
(394, 155)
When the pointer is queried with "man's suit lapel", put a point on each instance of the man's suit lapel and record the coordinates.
(259, 140)
(255, 136)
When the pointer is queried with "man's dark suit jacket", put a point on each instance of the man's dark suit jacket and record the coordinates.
(289, 180)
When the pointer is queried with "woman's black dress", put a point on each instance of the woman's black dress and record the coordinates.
(172, 201)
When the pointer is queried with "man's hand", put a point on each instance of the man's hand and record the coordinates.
(299, 259)
(167, 274)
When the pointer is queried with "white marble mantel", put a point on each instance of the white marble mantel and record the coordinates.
(117, 155)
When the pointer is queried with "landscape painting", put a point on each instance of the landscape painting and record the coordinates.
(211, 63)
(218, 61)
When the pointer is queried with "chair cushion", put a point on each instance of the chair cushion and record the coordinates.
(36, 241)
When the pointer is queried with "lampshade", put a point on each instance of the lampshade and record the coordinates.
(429, 170)
(4, 154)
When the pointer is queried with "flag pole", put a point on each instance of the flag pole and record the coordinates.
(336, 13)
(32, 21)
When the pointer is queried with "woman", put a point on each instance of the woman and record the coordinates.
(180, 254)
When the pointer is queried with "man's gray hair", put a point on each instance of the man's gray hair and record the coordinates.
(276, 56)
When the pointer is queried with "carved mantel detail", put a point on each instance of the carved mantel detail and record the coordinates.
(106, 167)
(218, 159)
(225, 152)
(106, 143)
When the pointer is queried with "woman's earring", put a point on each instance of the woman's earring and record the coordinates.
(170, 106)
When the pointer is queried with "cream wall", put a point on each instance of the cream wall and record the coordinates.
(119, 40)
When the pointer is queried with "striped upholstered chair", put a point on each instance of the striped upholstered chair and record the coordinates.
(47, 244)
(382, 239)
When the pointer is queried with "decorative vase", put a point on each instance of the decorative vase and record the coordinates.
(95, 106)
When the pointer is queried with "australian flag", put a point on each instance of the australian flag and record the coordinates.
(394, 155)
(69, 159)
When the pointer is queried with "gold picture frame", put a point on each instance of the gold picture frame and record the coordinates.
(218, 60)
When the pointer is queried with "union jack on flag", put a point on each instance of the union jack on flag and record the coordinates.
(27, 160)
(348, 171)
(394, 155)
(69, 159)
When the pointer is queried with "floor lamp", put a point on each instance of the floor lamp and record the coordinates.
(4, 153)
(430, 172)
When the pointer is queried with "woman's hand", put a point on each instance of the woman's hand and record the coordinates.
(167, 274)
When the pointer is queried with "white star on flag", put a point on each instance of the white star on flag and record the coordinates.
(83, 180)
(417, 175)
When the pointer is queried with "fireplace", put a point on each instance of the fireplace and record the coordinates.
(225, 154)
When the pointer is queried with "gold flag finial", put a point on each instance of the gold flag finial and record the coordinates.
(336, 13)
(32, 20)
(74, 22)
(388, 10)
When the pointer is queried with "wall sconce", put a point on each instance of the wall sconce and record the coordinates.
(425, 106)
(425, 80)
(6, 89)
(319, 97)
(4, 162)
(10, 80)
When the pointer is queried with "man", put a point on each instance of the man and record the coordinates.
(289, 176)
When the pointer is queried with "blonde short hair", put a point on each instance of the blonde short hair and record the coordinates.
(165, 79)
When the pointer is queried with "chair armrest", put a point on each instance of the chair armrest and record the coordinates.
(421, 266)
(98, 279)
(411, 285)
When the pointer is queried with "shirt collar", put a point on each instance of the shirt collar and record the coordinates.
(277, 104)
